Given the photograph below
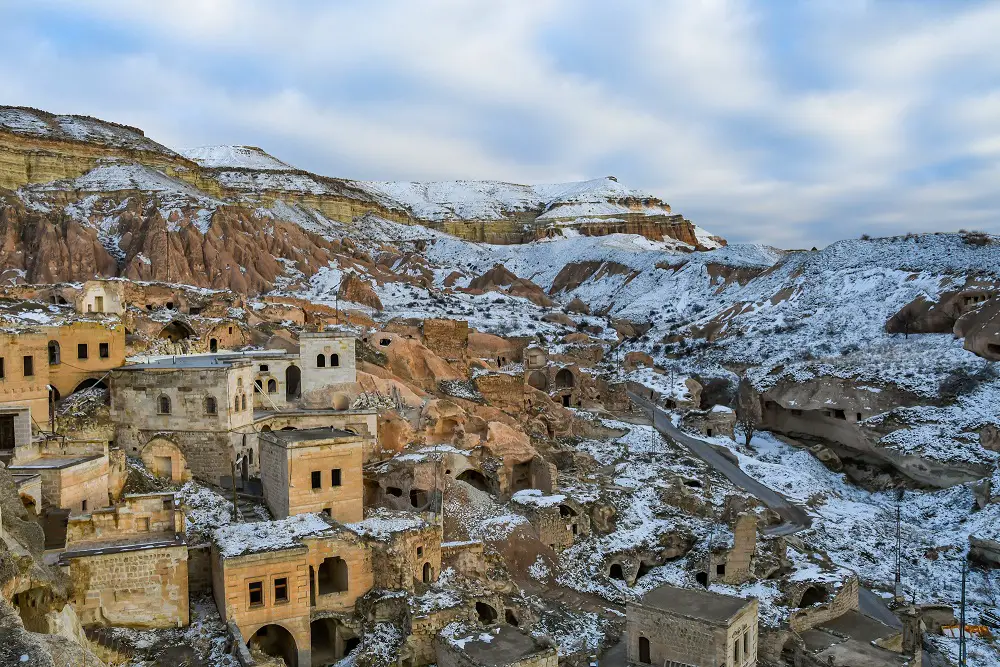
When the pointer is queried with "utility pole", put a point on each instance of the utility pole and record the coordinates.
(899, 584)
(235, 511)
(962, 660)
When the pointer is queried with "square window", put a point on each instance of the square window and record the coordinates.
(420, 552)
(335, 476)
(317, 479)
(83, 505)
(81, 351)
(29, 366)
(104, 351)
(263, 367)
(142, 525)
(256, 590)
(281, 590)
(2, 373)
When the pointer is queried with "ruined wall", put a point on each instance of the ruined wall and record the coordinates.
(844, 601)
(145, 589)
(502, 390)
(449, 339)
(360, 570)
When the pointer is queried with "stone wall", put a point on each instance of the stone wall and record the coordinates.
(844, 601)
(274, 476)
(199, 569)
(449, 339)
(321, 383)
(207, 456)
(466, 558)
(101, 296)
(136, 515)
(17, 388)
(502, 390)
(146, 589)
(73, 369)
(22, 424)
(399, 561)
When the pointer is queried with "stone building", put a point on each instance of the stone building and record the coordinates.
(691, 628)
(101, 296)
(128, 564)
(15, 429)
(312, 470)
(557, 519)
(24, 377)
(81, 353)
(289, 585)
(465, 645)
(406, 548)
(74, 474)
(186, 415)
(719, 421)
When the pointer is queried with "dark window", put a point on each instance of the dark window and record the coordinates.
(334, 359)
(211, 406)
(263, 367)
(81, 351)
(53, 352)
(3, 370)
(335, 477)
(720, 569)
(236, 403)
(333, 576)
(213, 345)
(281, 590)
(644, 650)
(103, 351)
(420, 551)
(194, 310)
(83, 505)
(163, 405)
(317, 479)
(272, 386)
(29, 366)
(244, 401)
(256, 593)
(230, 330)
(428, 573)
(320, 361)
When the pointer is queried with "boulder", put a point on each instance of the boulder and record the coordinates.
(577, 306)
(356, 290)
(559, 318)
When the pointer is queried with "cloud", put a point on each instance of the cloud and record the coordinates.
(772, 122)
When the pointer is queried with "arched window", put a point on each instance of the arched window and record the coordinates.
(163, 405)
(428, 573)
(211, 406)
(272, 386)
(320, 361)
(236, 403)
(54, 357)
(333, 576)
(244, 401)
(213, 345)
(334, 360)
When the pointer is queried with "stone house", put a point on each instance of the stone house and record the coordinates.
(283, 583)
(128, 564)
(24, 378)
(186, 416)
(557, 519)
(691, 628)
(80, 353)
(312, 470)
(74, 474)
(465, 645)
(101, 296)
(719, 421)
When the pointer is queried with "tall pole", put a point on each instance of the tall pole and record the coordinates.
(899, 545)
(234, 491)
(961, 624)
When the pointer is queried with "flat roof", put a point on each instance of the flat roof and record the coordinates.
(186, 361)
(504, 646)
(307, 434)
(133, 543)
(25, 477)
(54, 462)
(694, 603)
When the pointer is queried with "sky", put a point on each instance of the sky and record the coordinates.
(789, 123)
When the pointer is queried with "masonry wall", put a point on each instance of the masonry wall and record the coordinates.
(449, 339)
(72, 370)
(360, 570)
(844, 601)
(145, 589)
(502, 390)
(83, 482)
(396, 563)
(22, 423)
(136, 515)
(15, 387)
(345, 502)
(274, 476)
(320, 384)
(450, 656)
(111, 293)
(676, 638)
(207, 455)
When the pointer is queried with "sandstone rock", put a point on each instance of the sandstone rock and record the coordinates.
(577, 306)
(499, 277)
(356, 290)
(559, 318)
(826, 456)
(634, 360)
(603, 518)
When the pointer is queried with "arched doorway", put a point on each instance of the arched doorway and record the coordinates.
(90, 382)
(213, 345)
(644, 650)
(616, 572)
(487, 614)
(428, 573)
(474, 478)
(537, 380)
(276, 641)
(176, 331)
(564, 379)
(331, 641)
(293, 382)
(813, 595)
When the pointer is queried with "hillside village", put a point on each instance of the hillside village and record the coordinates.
(250, 415)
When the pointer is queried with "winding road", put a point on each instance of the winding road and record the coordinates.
(794, 518)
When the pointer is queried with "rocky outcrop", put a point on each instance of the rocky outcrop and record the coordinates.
(500, 279)
(356, 290)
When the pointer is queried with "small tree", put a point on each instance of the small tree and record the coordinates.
(748, 414)
(906, 319)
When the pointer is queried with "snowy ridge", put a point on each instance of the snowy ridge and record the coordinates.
(491, 200)
(235, 157)
(21, 120)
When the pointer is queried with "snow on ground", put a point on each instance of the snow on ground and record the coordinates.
(856, 528)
